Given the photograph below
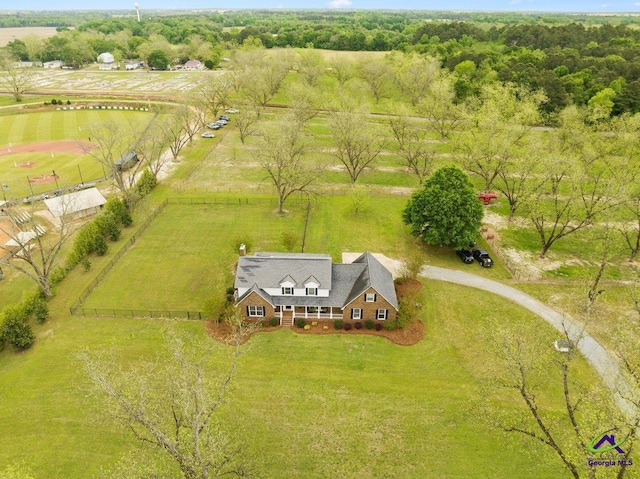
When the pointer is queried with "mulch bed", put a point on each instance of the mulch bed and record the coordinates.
(404, 337)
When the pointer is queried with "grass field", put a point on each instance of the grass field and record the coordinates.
(308, 406)
(17, 130)
(9, 34)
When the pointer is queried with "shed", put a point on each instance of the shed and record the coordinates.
(127, 161)
(78, 204)
(106, 58)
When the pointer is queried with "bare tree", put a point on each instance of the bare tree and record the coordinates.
(414, 145)
(342, 69)
(31, 251)
(304, 103)
(357, 144)
(263, 80)
(281, 155)
(245, 122)
(14, 79)
(152, 147)
(378, 76)
(215, 92)
(414, 76)
(171, 404)
(112, 141)
(174, 129)
(524, 366)
(311, 66)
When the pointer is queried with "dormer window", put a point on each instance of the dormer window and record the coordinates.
(287, 290)
(312, 291)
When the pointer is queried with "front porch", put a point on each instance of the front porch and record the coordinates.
(288, 314)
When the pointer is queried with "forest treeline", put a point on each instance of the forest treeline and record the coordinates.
(570, 58)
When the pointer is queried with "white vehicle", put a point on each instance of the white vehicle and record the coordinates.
(231, 110)
(208, 134)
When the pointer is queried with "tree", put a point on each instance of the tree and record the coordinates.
(214, 92)
(175, 130)
(497, 129)
(438, 107)
(15, 328)
(34, 254)
(377, 74)
(414, 145)
(152, 147)
(171, 405)
(304, 103)
(357, 144)
(158, 60)
(342, 70)
(414, 76)
(244, 122)
(111, 141)
(446, 211)
(281, 155)
(14, 79)
(311, 66)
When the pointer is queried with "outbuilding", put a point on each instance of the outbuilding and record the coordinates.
(76, 205)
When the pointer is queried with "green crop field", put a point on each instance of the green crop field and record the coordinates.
(17, 131)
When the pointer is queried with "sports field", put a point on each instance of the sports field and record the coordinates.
(34, 145)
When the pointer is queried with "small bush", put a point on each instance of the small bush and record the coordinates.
(230, 290)
(378, 327)
(337, 324)
(15, 329)
(86, 264)
(307, 327)
(146, 183)
(274, 322)
(300, 322)
(229, 298)
(120, 210)
(390, 325)
(358, 325)
(369, 324)
(41, 310)
(108, 225)
(68, 102)
(57, 275)
(54, 102)
(347, 327)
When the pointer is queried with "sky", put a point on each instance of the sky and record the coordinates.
(514, 5)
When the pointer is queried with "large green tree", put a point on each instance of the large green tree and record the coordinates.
(446, 212)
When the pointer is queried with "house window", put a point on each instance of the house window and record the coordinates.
(312, 291)
(356, 313)
(381, 314)
(255, 311)
(287, 290)
(370, 298)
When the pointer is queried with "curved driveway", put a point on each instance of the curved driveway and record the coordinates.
(596, 355)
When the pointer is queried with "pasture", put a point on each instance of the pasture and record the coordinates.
(8, 34)
(33, 145)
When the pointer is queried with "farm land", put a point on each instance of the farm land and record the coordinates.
(350, 406)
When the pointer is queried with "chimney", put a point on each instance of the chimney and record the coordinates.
(243, 250)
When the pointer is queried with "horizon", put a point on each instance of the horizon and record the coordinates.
(601, 7)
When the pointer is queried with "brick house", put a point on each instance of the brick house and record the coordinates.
(293, 285)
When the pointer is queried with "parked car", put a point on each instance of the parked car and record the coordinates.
(482, 257)
(465, 256)
(224, 117)
(208, 134)
(213, 125)
(231, 110)
(222, 122)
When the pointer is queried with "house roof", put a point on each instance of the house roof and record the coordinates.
(75, 202)
(345, 281)
(374, 275)
(269, 269)
(193, 64)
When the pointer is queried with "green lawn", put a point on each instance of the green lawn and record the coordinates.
(307, 406)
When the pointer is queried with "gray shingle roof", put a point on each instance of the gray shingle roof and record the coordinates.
(269, 269)
(375, 276)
